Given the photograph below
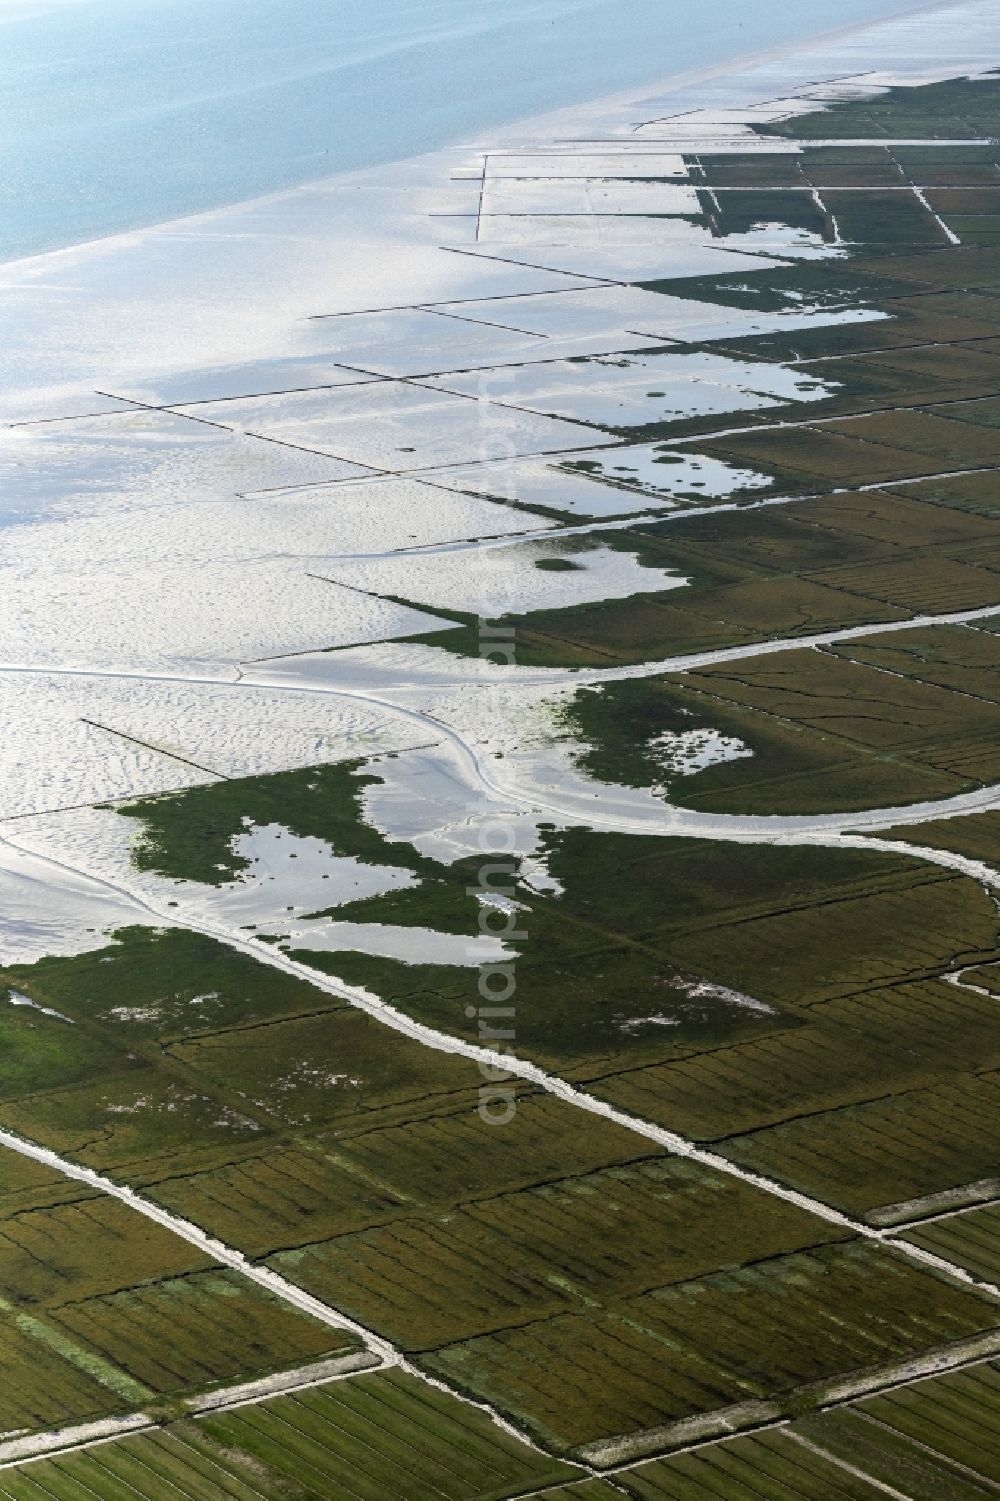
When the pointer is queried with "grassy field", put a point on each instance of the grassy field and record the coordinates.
(970, 1239)
(934, 1439)
(368, 1438)
(102, 1310)
(695, 1347)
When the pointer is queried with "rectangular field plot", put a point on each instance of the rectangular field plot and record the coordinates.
(368, 1175)
(933, 1439)
(947, 373)
(946, 656)
(953, 1416)
(87, 1249)
(823, 456)
(626, 162)
(505, 233)
(910, 517)
(315, 1069)
(950, 444)
(639, 316)
(864, 1156)
(984, 413)
(506, 1260)
(412, 341)
(855, 703)
(875, 1044)
(840, 1455)
(761, 1333)
(651, 626)
(369, 1438)
(824, 949)
(887, 216)
(52, 1381)
(104, 1308)
(192, 1332)
(977, 836)
(970, 1239)
(633, 479)
(524, 576)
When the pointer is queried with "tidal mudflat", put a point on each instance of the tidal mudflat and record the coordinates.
(522, 620)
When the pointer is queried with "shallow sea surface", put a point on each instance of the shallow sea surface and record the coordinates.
(120, 113)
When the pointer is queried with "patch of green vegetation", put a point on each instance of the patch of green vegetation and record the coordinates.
(899, 718)
(445, 902)
(590, 1010)
(316, 1069)
(873, 1043)
(44, 1052)
(976, 835)
(361, 1439)
(672, 1221)
(698, 1346)
(253, 1332)
(899, 219)
(955, 108)
(737, 211)
(85, 1283)
(156, 984)
(782, 767)
(782, 288)
(970, 1239)
(612, 974)
(920, 1432)
(189, 835)
(880, 1152)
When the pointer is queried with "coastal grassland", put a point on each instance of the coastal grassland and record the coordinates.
(972, 494)
(358, 1202)
(965, 659)
(376, 1437)
(828, 561)
(657, 732)
(957, 108)
(363, 1162)
(936, 1437)
(878, 1152)
(933, 1438)
(215, 1070)
(853, 703)
(752, 987)
(785, 1005)
(189, 837)
(879, 446)
(570, 1247)
(870, 1046)
(102, 1309)
(894, 218)
(871, 722)
(739, 209)
(957, 442)
(605, 971)
(834, 1308)
(425, 1161)
(977, 836)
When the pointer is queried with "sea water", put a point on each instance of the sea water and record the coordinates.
(116, 114)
